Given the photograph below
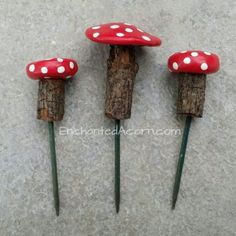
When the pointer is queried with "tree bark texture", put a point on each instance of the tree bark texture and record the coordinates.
(51, 99)
(191, 94)
(121, 72)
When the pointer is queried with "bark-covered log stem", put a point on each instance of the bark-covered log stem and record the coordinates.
(51, 98)
(191, 94)
(121, 72)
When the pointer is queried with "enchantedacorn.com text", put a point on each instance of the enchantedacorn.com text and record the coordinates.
(106, 131)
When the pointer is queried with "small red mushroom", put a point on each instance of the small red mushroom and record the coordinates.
(52, 74)
(197, 62)
(192, 67)
(121, 72)
(55, 68)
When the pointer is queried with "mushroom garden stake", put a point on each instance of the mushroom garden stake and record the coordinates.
(121, 72)
(192, 66)
(51, 95)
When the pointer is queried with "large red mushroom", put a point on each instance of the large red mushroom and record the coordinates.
(192, 68)
(121, 34)
(121, 72)
(52, 74)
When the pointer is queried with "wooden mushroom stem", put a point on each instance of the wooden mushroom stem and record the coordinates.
(51, 98)
(191, 94)
(121, 72)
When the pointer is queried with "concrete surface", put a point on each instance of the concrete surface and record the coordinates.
(32, 30)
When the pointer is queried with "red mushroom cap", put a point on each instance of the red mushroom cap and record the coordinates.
(55, 68)
(198, 62)
(121, 34)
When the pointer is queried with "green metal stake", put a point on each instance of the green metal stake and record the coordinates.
(117, 165)
(54, 166)
(181, 160)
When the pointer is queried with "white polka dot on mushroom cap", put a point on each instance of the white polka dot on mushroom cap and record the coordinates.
(207, 53)
(204, 66)
(114, 26)
(146, 38)
(129, 30)
(187, 60)
(32, 68)
(44, 70)
(120, 35)
(140, 30)
(72, 65)
(59, 59)
(95, 35)
(61, 69)
(127, 24)
(175, 66)
(183, 51)
(96, 27)
(194, 54)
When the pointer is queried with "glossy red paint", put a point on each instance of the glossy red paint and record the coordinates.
(119, 33)
(194, 61)
(55, 68)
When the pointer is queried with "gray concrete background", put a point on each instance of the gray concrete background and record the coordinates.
(32, 30)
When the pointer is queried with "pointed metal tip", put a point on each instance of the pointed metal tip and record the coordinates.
(173, 204)
(57, 211)
(117, 208)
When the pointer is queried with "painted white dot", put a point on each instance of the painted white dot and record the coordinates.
(127, 24)
(72, 65)
(95, 35)
(59, 59)
(96, 27)
(140, 30)
(44, 70)
(120, 35)
(207, 53)
(183, 51)
(204, 66)
(61, 69)
(146, 38)
(32, 68)
(114, 26)
(175, 66)
(194, 54)
(129, 30)
(187, 60)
